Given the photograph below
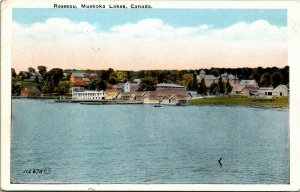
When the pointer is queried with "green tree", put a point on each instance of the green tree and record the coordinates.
(97, 84)
(276, 79)
(42, 70)
(31, 70)
(52, 78)
(147, 84)
(214, 89)
(202, 89)
(15, 87)
(221, 86)
(63, 87)
(112, 80)
(13, 73)
(228, 87)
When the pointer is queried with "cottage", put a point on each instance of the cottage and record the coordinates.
(281, 90)
(111, 93)
(124, 96)
(265, 92)
(138, 95)
(30, 92)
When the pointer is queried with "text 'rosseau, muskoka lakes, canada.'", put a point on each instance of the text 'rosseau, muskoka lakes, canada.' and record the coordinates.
(103, 6)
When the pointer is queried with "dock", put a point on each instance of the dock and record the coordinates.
(99, 102)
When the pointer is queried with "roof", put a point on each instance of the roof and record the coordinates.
(248, 82)
(76, 74)
(210, 77)
(238, 88)
(230, 76)
(284, 86)
(167, 85)
(125, 94)
(159, 93)
(31, 88)
(266, 88)
(139, 93)
(111, 90)
(202, 72)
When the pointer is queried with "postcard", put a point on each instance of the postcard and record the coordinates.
(150, 95)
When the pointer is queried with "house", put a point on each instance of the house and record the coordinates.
(111, 93)
(265, 92)
(120, 87)
(281, 90)
(30, 92)
(79, 93)
(124, 96)
(138, 95)
(130, 86)
(237, 88)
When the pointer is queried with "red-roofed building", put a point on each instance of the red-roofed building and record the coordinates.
(111, 93)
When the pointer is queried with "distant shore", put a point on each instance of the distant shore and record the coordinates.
(281, 102)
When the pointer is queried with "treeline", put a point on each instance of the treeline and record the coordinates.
(54, 80)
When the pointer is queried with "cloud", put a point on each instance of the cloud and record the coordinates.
(147, 44)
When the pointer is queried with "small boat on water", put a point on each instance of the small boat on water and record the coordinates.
(157, 105)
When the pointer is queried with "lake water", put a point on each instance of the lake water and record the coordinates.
(145, 144)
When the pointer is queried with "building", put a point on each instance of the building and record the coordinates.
(250, 83)
(130, 86)
(210, 79)
(79, 79)
(265, 92)
(281, 90)
(167, 93)
(138, 95)
(30, 92)
(111, 93)
(78, 93)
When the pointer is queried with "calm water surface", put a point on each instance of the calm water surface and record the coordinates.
(144, 144)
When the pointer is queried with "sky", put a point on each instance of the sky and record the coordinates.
(136, 39)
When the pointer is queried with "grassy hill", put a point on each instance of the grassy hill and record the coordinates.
(241, 100)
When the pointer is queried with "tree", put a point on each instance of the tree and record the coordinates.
(63, 87)
(112, 80)
(15, 87)
(221, 86)
(147, 84)
(214, 89)
(42, 70)
(276, 79)
(202, 89)
(13, 73)
(106, 74)
(228, 87)
(192, 84)
(97, 84)
(31, 70)
(52, 78)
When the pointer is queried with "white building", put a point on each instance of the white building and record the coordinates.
(281, 90)
(78, 93)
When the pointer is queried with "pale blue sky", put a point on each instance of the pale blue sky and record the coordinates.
(106, 18)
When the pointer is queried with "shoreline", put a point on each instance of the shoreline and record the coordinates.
(193, 102)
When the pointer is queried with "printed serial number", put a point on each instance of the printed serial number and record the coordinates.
(46, 170)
